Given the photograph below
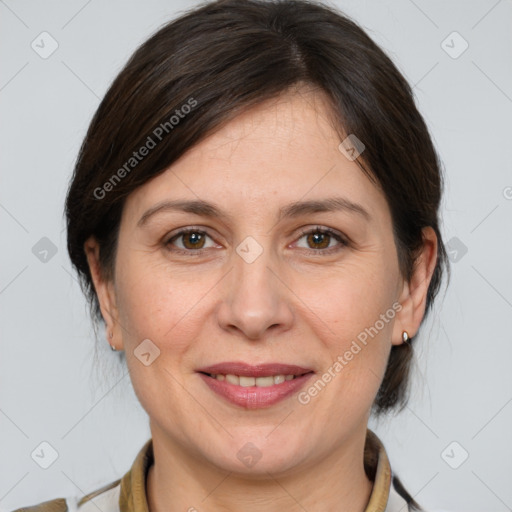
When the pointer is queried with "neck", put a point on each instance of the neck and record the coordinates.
(178, 481)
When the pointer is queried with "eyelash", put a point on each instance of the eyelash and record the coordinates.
(317, 229)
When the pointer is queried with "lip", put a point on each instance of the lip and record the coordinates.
(260, 370)
(254, 397)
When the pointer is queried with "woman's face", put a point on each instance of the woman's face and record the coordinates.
(249, 287)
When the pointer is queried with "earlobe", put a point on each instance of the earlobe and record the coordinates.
(103, 287)
(414, 293)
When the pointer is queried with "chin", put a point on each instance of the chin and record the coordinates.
(257, 455)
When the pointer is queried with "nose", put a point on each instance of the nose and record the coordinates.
(255, 298)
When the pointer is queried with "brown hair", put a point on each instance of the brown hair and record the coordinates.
(202, 69)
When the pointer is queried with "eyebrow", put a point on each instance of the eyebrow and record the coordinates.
(296, 209)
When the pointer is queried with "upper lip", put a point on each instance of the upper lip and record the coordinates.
(260, 370)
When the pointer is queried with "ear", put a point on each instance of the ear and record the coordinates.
(413, 297)
(105, 292)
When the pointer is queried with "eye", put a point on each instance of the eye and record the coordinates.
(321, 239)
(193, 241)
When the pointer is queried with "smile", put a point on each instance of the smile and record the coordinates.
(254, 392)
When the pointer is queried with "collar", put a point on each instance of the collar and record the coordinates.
(133, 497)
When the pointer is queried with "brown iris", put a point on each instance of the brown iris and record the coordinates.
(314, 237)
(195, 238)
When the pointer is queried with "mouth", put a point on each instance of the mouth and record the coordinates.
(254, 387)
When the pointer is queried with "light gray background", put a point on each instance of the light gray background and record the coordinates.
(51, 389)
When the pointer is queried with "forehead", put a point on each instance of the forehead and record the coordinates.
(270, 155)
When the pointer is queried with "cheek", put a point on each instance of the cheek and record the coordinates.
(353, 312)
(164, 309)
(153, 304)
(349, 298)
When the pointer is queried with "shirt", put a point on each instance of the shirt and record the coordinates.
(128, 494)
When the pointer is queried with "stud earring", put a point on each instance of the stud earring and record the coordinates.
(110, 336)
(405, 336)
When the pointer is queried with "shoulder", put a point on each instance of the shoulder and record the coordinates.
(56, 505)
(105, 498)
(400, 498)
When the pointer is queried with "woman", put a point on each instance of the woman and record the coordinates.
(254, 217)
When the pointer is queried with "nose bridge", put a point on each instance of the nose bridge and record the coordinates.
(254, 299)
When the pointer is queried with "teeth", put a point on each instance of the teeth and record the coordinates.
(233, 379)
(245, 382)
(261, 382)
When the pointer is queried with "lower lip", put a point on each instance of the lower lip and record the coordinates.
(254, 397)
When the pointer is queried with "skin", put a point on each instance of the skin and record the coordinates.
(296, 303)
